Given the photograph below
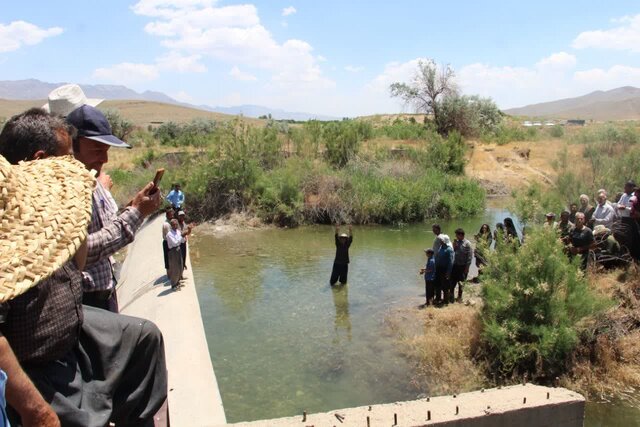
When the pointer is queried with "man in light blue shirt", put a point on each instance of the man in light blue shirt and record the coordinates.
(176, 197)
(4, 421)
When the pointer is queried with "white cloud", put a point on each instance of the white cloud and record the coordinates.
(321, 58)
(127, 72)
(236, 74)
(560, 60)
(616, 76)
(624, 37)
(233, 34)
(288, 11)
(353, 69)
(18, 33)
(394, 72)
(174, 61)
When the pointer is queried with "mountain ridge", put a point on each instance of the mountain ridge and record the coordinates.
(622, 103)
(34, 89)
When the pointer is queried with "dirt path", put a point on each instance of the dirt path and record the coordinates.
(503, 168)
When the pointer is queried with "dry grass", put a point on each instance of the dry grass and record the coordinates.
(607, 365)
(502, 165)
(442, 343)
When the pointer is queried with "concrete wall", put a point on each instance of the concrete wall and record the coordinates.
(143, 291)
(490, 408)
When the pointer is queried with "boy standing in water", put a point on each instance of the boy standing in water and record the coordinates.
(429, 272)
(341, 261)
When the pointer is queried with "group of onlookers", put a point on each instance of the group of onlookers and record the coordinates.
(68, 356)
(606, 228)
(447, 266)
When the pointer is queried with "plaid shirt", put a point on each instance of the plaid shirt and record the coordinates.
(108, 233)
(43, 324)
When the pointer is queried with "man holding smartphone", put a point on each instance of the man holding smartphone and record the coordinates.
(108, 230)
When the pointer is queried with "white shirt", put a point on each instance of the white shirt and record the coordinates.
(174, 239)
(604, 215)
(625, 200)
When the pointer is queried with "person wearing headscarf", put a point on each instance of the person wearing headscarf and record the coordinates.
(444, 265)
(483, 243)
(511, 234)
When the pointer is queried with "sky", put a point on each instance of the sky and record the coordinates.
(330, 57)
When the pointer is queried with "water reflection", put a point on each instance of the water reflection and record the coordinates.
(342, 322)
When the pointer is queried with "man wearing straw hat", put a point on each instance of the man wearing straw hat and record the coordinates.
(66, 363)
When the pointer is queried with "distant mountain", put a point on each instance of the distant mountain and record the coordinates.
(32, 89)
(622, 103)
(259, 111)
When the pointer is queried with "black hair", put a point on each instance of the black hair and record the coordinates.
(460, 231)
(29, 132)
(436, 226)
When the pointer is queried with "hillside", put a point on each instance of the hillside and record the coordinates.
(142, 113)
(617, 104)
(34, 90)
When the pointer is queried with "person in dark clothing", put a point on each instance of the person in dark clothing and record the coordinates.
(573, 210)
(341, 261)
(444, 265)
(581, 239)
(511, 232)
(429, 272)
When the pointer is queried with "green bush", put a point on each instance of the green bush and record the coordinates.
(533, 202)
(120, 127)
(535, 300)
(342, 142)
(556, 131)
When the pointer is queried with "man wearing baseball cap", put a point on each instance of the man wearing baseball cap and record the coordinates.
(108, 230)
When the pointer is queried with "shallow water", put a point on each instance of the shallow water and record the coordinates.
(283, 341)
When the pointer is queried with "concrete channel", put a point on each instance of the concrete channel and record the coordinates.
(194, 398)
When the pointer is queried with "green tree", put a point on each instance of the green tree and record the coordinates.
(534, 301)
(428, 87)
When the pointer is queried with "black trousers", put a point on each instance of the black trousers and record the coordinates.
(116, 372)
(183, 249)
(339, 272)
(165, 254)
(429, 289)
(441, 285)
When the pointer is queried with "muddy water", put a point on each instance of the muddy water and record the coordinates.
(283, 341)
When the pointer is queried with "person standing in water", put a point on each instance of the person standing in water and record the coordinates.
(341, 261)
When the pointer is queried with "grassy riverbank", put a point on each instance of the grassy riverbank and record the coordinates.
(540, 319)
(347, 171)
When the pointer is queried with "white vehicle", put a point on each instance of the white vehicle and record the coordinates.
(549, 123)
(527, 123)
(537, 124)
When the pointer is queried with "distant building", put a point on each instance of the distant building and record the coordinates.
(576, 122)
(527, 123)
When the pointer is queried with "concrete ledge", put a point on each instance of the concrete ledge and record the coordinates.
(492, 408)
(143, 291)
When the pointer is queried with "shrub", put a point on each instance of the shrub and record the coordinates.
(342, 142)
(533, 202)
(534, 302)
(120, 127)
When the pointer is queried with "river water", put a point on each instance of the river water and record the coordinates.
(283, 341)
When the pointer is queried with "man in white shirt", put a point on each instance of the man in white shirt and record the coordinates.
(604, 213)
(626, 200)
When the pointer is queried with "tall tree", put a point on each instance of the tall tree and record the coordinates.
(429, 85)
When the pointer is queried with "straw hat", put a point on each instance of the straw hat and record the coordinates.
(64, 99)
(45, 209)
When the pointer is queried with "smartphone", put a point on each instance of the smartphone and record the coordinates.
(156, 180)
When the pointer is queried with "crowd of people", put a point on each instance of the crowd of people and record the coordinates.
(66, 355)
(607, 230)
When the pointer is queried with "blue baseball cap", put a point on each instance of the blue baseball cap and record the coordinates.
(92, 124)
